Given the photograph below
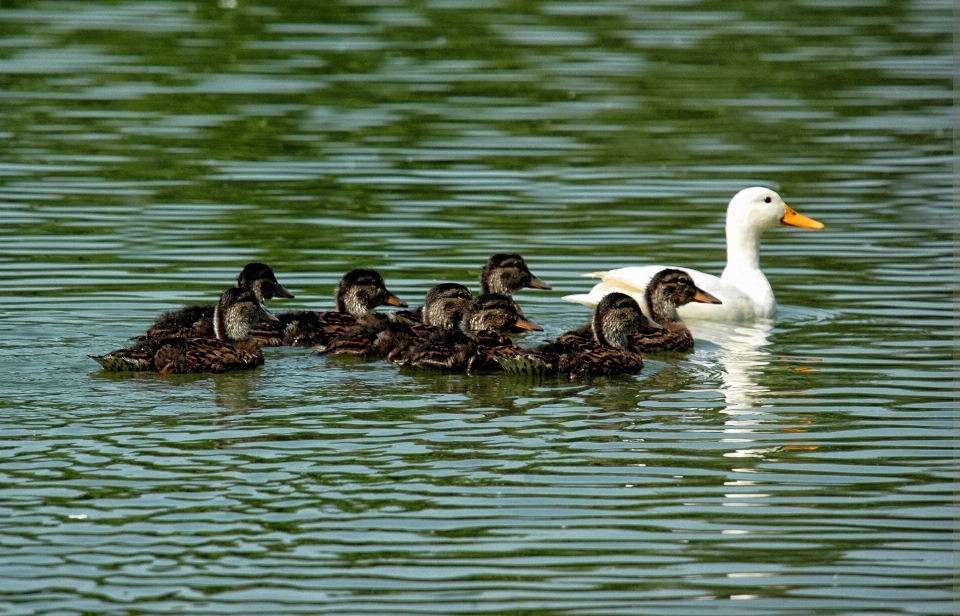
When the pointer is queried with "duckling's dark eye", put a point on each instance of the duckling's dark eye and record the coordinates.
(767, 200)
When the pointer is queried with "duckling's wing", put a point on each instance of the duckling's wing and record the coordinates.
(604, 361)
(209, 355)
(138, 357)
(526, 363)
(680, 341)
(447, 350)
(189, 321)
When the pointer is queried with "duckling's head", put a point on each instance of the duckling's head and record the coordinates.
(757, 209)
(236, 311)
(444, 305)
(617, 316)
(670, 288)
(496, 312)
(266, 289)
(253, 272)
(505, 274)
(362, 290)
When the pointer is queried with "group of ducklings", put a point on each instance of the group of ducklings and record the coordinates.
(453, 330)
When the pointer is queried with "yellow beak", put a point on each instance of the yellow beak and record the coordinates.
(793, 219)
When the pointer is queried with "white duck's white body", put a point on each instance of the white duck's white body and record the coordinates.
(742, 287)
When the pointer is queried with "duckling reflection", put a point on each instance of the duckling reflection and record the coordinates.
(359, 292)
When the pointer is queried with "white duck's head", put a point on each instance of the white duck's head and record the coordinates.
(754, 210)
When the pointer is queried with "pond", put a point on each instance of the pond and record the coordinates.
(154, 148)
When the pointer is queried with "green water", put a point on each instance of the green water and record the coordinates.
(151, 149)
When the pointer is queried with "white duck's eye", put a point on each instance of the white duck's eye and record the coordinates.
(767, 200)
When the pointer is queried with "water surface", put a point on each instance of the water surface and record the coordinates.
(154, 148)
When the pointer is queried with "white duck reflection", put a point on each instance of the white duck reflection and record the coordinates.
(740, 356)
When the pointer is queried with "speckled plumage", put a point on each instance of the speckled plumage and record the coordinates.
(359, 291)
(442, 309)
(505, 274)
(231, 349)
(602, 349)
(669, 289)
(197, 321)
(473, 346)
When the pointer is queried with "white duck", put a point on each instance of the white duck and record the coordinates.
(743, 289)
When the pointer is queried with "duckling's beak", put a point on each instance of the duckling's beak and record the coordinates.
(525, 324)
(704, 297)
(536, 283)
(648, 326)
(793, 219)
(282, 291)
(393, 300)
(266, 315)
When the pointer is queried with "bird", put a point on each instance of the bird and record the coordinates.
(669, 289)
(442, 309)
(603, 348)
(197, 321)
(505, 274)
(744, 291)
(232, 348)
(473, 345)
(358, 292)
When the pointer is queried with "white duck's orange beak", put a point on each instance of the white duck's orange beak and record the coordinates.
(793, 219)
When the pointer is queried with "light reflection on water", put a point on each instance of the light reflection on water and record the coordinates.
(154, 148)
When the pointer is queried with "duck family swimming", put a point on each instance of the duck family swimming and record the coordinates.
(456, 331)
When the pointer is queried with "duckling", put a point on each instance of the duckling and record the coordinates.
(479, 338)
(358, 292)
(197, 321)
(505, 274)
(232, 349)
(669, 289)
(607, 351)
(439, 297)
(442, 309)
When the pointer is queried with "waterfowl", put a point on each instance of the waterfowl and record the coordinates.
(232, 349)
(603, 348)
(742, 288)
(358, 292)
(669, 289)
(504, 274)
(475, 343)
(197, 321)
(442, 309)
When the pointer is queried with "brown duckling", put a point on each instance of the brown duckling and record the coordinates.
(473, 346)
(505, 274)
(358, 292)
(197, 321)
(607, 350)
(669, 289)
(442, 309)
(446, 300)
(232, 349)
